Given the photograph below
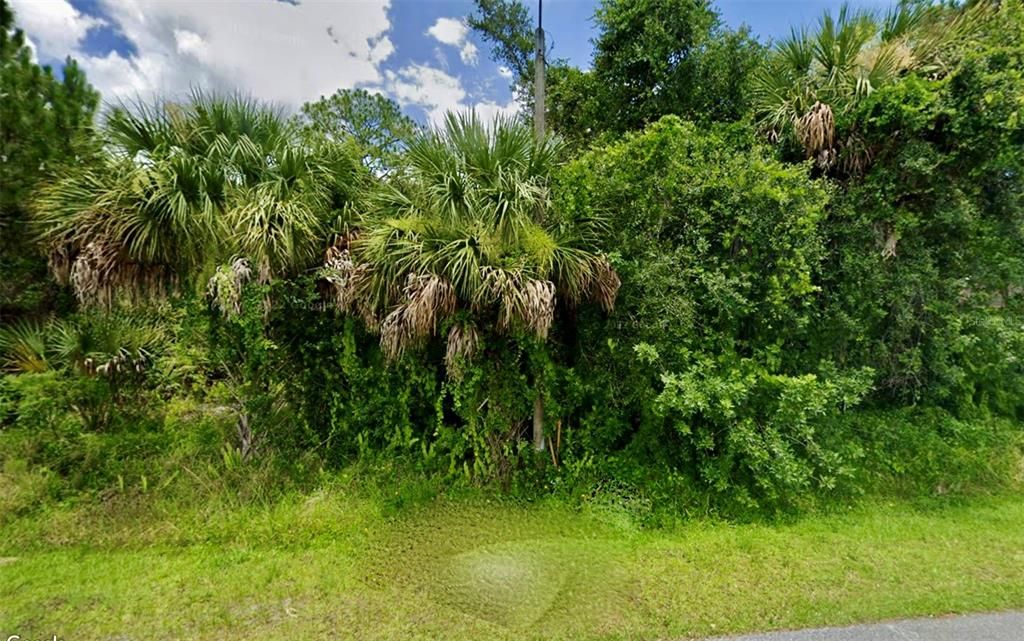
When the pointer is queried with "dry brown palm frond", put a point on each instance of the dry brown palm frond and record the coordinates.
(338, 265)
(816, 131)
(494, 282)
(539, 310)
(339, 272)
(430, 298)
(463, 342)
(59, 261)
(266, 272)
(394, 334)
(856, 156)
(125, 361)
(527, 303)
(93, 273)
(341, 241)
(241, 270)
(505, 289)
(367, 313)
(345, 282)
(826, 158)
(335, 252)
(606, 284)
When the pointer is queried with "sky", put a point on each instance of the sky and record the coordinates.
(418, 52)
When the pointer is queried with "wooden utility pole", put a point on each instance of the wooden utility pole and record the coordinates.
(538, 75)
(538, 128)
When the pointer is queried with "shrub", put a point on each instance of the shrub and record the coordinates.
(923, 278)
(717, 245)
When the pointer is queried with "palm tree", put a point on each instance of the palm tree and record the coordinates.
(810, 80)
(464, 242)
(183, 187)
(109, 345)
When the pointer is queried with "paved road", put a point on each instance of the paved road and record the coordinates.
(1006, 626)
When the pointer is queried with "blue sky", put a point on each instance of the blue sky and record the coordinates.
(418, 52)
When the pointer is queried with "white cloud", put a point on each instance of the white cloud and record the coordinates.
(438, 92)
(455, 32)
(432, 89)
(468, 53)
(117, 76)
(381, 50)
(56, 27)
(449, 31)
(192, 44)
(488, 110)
(276, 51)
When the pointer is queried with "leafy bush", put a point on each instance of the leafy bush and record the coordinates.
(754, 434)
(923, 278)
(717, 245)
(51, 425)
(350, 402)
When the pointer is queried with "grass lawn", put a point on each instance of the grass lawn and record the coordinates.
(334, 565)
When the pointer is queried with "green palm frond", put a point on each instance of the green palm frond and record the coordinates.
(23, 347)
(796, 52)
(95, 344)
(840, 41)
(106, 344)
(904, 20)
(471, 214)
(187, 185)
(851, 55)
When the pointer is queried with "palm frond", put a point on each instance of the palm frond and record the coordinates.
(467, 229)
(23, 347)
(187, 185)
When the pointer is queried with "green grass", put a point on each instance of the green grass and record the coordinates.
(335, 564)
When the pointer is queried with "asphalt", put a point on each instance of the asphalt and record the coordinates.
(1004, 626)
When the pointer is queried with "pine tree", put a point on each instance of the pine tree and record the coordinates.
(45, 122)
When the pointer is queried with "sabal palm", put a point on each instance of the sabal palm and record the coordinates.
(467, 230)
(811, 79)
(183, 186)
(104, 345)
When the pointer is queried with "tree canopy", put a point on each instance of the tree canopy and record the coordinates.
(374, 122)
(45, 123)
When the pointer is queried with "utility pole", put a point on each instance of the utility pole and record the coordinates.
(538, 128)
(538, 75)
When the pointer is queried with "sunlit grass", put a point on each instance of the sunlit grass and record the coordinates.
(338, 566)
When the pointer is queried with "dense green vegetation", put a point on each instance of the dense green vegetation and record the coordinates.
(44, 123)
(739, 345)
(800, 284)
(737, 281)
